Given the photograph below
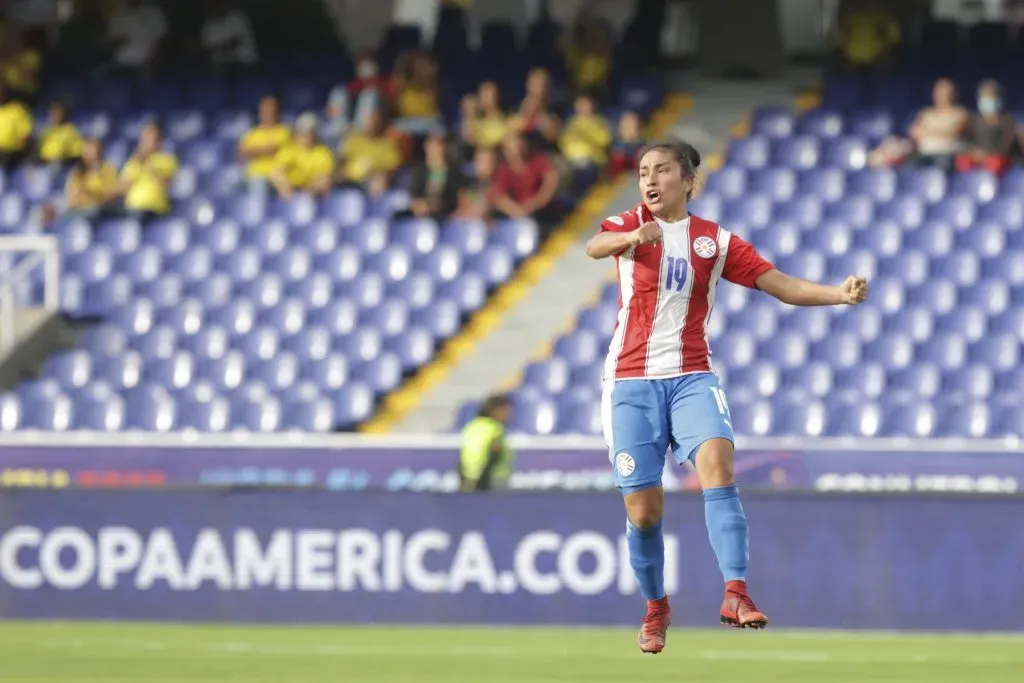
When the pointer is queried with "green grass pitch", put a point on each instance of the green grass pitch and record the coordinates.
(59, 652)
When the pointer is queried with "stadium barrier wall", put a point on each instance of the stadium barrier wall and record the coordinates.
(888, 561)
(428, 463)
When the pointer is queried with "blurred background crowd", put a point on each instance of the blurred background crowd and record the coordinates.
(285, 222)
(487, 142)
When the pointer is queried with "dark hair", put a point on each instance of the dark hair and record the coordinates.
(494, 403)
(685, 153)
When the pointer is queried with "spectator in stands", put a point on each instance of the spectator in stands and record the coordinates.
(92, 185)
(474, 200)
(627, 143)
(61, 142)
(588, 54)
(15, 130)
(136, 33)
(991, 135)
(535, 117)
(938, 130)
(260, 145)
(587, 136)
(416, 92)
(350, 104)
(484, 123)
(369, 156)
(525, 182)
(304, 165)
(227, 35)
(868, 33)
(146, 176)
(19, 64)
(436, 182)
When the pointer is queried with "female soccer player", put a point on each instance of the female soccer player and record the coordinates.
(660, 390)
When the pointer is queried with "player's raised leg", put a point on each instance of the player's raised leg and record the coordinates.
(702, 432)
(727, 529)
(636, 429)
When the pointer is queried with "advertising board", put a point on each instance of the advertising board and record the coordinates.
(838, 561)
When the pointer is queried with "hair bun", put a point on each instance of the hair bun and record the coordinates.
(692, 155)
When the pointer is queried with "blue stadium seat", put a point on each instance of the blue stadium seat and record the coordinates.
(277, 372)
(749, 153)
(778, 183)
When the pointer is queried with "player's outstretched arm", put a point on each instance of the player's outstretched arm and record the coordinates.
(612, 243)
(797, 292)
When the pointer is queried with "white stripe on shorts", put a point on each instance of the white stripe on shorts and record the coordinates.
(606, 417)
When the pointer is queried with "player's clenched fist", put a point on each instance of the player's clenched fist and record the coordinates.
(648, 233)
(855, 289)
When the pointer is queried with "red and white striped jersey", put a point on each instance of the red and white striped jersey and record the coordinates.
(667, 291)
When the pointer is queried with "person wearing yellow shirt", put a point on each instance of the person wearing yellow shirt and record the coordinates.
(259, 145)
(484, 122)
(305, 165)
(588, 53)
(146, 176)
(15, 130)
(60, 142)
(485, 458)
(868, 33)
(587, 136)
(416, 91)
(369, 153)
(92, 186)
(19, 63)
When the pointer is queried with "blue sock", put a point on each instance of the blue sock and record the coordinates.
(647, 557)
(727, 529)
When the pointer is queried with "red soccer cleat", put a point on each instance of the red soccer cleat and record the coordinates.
(651, 638)
(738, 610)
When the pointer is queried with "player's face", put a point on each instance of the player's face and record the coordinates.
(662, 184)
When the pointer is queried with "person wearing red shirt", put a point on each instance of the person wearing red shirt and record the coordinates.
(350, 105)
(525, 182)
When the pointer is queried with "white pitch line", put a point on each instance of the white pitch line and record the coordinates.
(98, 647)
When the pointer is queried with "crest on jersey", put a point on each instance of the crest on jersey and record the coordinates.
(705, 247)
(617, 220)
(624, 464)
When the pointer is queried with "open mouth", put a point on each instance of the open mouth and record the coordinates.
(652, 195)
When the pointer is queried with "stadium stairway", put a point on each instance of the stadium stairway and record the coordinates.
(722, 108)
(521, 317)
(528, 313)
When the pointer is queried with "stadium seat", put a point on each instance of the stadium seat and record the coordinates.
(241, 310)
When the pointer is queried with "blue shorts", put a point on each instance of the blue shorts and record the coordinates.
(644, 417)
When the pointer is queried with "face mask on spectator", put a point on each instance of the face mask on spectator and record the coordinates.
(989, 105)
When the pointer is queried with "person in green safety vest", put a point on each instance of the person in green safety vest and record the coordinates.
(485, 460)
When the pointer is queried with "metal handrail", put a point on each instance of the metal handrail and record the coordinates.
(46, 253)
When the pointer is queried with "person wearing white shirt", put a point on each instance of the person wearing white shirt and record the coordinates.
(137, 30)
(227, 35)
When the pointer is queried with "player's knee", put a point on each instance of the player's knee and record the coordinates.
(644, 508)
(715, 463)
